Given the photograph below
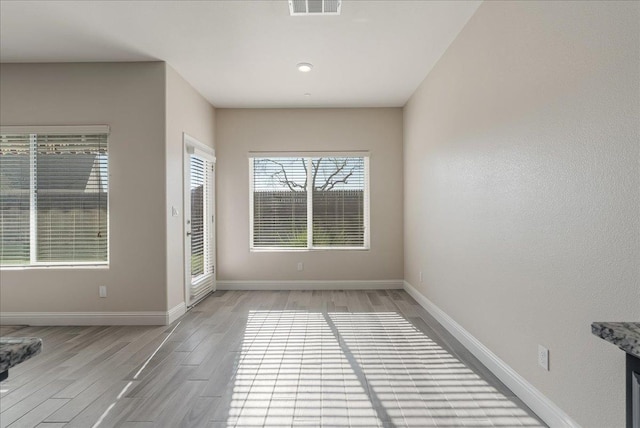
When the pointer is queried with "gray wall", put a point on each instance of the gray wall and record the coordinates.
(129, 97)
(522, 191)
(240, 131)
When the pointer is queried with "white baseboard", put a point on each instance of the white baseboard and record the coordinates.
(92, 318)
(311, 285)
(532, 397)
(176, 312)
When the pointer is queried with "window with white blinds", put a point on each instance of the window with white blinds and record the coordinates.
(309, 202)
(53, 199)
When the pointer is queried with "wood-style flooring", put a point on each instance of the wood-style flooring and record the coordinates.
(262, 359)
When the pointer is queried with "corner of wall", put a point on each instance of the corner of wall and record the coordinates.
(165, 70)
(186, 111)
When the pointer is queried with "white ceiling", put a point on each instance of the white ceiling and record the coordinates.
(244, 53)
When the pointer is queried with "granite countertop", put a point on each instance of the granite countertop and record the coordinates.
(14, 350)
(625, 335)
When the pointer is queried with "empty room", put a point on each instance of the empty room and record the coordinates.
(319, 213)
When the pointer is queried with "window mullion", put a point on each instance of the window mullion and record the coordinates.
(33, 207)
(309, 203)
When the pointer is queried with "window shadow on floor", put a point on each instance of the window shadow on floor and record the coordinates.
(356, 369)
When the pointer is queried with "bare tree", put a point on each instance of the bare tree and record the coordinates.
(334, 171)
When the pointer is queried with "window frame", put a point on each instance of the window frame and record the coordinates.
(309, 156)
(33, 132)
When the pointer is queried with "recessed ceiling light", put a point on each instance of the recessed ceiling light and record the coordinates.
(307, 94)
(305, 67)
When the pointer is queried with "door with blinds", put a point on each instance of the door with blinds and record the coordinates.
(199, 221)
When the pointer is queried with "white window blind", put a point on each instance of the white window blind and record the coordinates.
(54, 199)
(328, 193)
(201, 218)
(279, 202)
(338, 202)
(15, 199)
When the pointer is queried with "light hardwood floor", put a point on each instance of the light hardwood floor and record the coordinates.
(262, 359)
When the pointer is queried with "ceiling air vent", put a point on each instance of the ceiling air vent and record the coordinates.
(314, 7)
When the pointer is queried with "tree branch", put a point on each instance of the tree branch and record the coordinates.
(343, 180)
(336, 172)
(292, 185)
(315, 172)
(306, 173)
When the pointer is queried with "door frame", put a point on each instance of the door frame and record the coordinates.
(192, 146)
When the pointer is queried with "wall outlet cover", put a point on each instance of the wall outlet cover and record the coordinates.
(543, 357)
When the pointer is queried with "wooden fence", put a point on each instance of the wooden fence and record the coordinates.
(280, 218)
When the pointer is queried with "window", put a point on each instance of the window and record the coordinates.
(53, 196)
(291, 193)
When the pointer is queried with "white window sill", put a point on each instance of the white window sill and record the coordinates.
(305, 250)
(55, 267)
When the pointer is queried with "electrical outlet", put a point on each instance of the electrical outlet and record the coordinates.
(420, 277)
(543, 357)
(102, 291)
(300, 266)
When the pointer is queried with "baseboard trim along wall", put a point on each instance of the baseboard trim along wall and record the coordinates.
(532, 397)
(384, 284)
(93, 318)
(176, 312)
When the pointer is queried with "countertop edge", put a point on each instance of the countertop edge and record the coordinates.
(625, 336)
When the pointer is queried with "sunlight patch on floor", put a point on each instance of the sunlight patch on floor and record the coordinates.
(299, 368)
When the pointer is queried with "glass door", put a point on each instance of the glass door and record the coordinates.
(200, 224)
